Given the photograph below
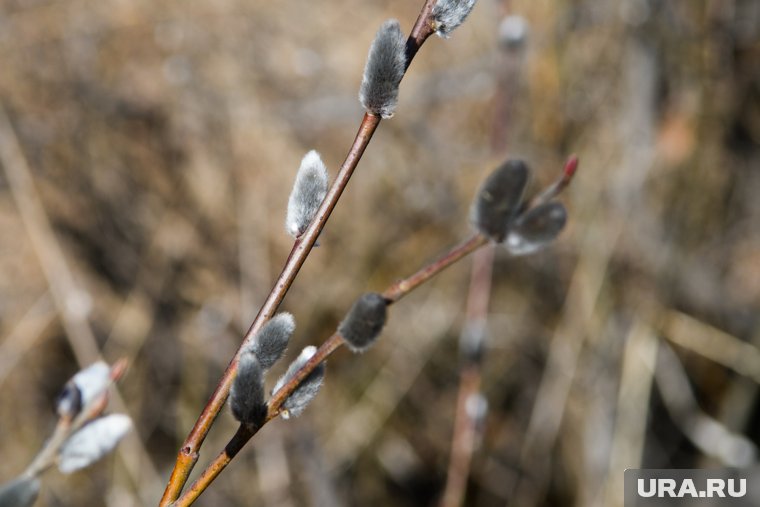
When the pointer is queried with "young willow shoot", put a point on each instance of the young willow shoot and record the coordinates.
(190, 450)
(360, 329)
(388, 59)
(82, 436)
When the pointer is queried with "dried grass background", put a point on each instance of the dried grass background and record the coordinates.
(162, 140)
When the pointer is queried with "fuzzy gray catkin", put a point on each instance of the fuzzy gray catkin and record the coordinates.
(309, 190)
(247, 393)
(364, 321)
(499, 198)
(300, 398)
(536, 228)
(449, 14)
(386, 63)
(272, 340)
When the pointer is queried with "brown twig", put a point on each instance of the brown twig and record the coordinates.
(189, 453)
(244, 433)
(471, 344)
(463, 439)
(402, 287)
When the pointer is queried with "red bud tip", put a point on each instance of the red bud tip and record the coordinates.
(570, 167)
(118, 369)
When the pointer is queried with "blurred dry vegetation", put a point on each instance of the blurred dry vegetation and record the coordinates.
(162, 139)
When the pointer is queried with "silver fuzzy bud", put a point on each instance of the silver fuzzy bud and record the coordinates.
(364, 322)
(309, 190)
(247, 393)
(536, 228)
(92, 442)
(499, 198)
(300, 398)
(20, 492)
(385, 67)
(449, 14)
(272, 340)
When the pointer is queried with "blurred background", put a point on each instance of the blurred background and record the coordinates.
(147, 153)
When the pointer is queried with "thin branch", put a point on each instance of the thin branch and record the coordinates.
(402, 287)
(463, 440)
(472, 341)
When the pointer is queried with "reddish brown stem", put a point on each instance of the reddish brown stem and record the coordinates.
(420, 32)
(236, 443)
(403, 287)
(471, 343)
(463, 441)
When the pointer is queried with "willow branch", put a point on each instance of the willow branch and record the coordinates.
(392, 294)
(189, 453)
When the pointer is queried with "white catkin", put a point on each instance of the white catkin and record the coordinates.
(92, 381)
(449, 14)
(309, 190)
(84, 388)
(386, 63)
(92, 442)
